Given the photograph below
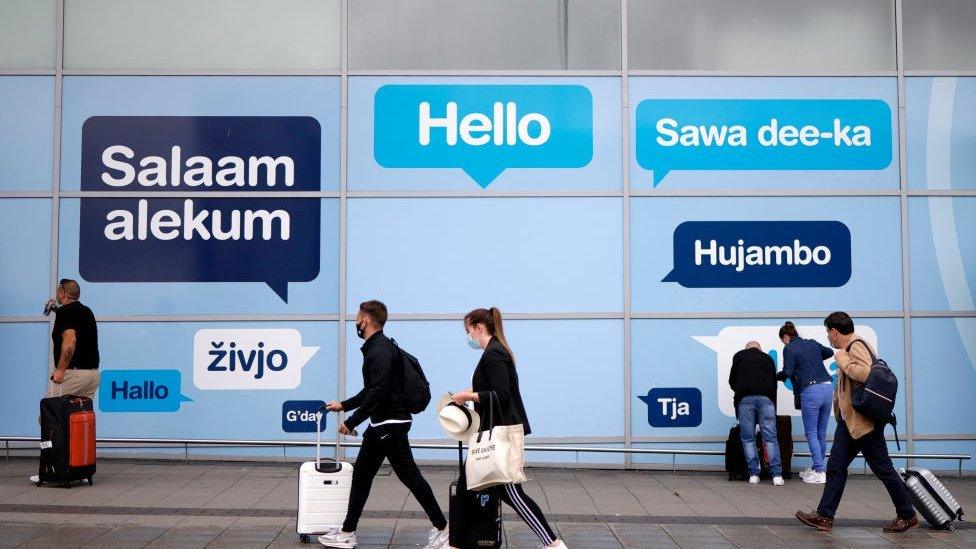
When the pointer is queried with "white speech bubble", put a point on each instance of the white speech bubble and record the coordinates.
(249, 359)
(733, 339)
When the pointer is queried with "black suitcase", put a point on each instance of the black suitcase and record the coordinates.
(67, 440)
(931, 498)
(735, 459)
(475, 518)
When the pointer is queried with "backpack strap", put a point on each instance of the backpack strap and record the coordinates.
(866, 346)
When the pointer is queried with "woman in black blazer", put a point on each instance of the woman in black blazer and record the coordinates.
(496, 373)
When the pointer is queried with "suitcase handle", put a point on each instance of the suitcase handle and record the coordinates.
(318, 440)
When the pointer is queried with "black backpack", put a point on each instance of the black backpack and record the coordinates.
(875, 398)
(414, 393)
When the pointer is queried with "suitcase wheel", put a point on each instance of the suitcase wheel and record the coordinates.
(304, 538)
(90, 483)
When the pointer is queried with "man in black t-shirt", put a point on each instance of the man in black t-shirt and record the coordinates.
(75, 337)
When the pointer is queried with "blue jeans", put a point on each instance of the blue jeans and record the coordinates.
(815, 404)
(759, 409)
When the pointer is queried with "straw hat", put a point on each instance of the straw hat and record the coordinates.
(457, 421)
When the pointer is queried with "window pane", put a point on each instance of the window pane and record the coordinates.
(27, 34)
(202, 35)
(472, 34)
(939, 34)
(774, 35)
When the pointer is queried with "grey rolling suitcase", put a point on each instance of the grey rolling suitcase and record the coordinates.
(931, 498)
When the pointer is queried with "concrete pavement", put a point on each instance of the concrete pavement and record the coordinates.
(152, 504)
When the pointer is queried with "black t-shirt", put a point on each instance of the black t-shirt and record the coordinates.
(77, 317)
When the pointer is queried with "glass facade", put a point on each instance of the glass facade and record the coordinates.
(247, 172)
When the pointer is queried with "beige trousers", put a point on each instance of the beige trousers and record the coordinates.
(76, 383)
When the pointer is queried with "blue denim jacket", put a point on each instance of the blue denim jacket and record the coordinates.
(803, 358)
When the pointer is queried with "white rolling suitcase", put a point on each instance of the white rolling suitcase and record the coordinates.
(323, 490)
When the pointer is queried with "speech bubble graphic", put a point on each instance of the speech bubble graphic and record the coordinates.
(673, 407)
(733, 339)
(299, 416)
(762, 134)
(190, 239)
(249, 359)
(140, 391)
(761, 254)
(482, 129)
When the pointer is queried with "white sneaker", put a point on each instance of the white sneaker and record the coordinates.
(437, 539)
(35, 479)
(815, 478)
(778, 481)
(558, 544)
(338, 539)
(753, 480)
(806, 473)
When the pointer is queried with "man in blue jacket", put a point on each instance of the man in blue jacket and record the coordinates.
(386, 436)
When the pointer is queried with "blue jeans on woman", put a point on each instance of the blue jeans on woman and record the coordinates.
(759, 409)
(815, 403)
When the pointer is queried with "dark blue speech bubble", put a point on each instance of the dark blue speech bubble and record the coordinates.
(189, 239)
(298, 416)
(761, 254)
(673, 407)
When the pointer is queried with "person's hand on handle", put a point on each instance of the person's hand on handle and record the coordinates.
(334, 406)
(58, 376)
(343, 430)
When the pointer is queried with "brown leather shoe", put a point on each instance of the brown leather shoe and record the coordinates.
(901, 525)
(814, 519)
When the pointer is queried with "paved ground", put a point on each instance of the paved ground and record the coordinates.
(138, 504)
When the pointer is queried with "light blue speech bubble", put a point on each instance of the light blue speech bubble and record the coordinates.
(483, 129)
(140, 391)
(762, 134)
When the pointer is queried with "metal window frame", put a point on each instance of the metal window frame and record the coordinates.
(625, 193)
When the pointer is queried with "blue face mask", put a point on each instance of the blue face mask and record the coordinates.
(474, 344)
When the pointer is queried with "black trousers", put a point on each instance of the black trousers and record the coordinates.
(389, 442)
(875, 451)
(527, 510)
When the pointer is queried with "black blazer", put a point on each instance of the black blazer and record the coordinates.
(496, 372)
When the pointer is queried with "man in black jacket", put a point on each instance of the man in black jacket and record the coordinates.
(753, 379)
(386, 436)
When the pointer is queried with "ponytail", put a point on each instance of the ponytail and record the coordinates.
(492, 320)
(788, 329)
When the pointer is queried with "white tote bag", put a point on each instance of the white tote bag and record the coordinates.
(496, 455)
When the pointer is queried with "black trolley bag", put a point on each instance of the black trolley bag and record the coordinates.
(735, 460)
(67, 440)
(475, 518)
(931, 498)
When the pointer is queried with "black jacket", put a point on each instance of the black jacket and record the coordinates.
(496, 372)
(753, 373)
(382, 375)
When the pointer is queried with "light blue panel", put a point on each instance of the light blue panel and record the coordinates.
(666, 353)
(531, 458)
(559, 362)
(602, 172)
(25, 280)
(942, 253)
(456, 254)
(884, 89)
(156, 298)
(944, 375)
(243, 414)
(86, 96)
(940, 132)
(874, 223)
(27, 133)
(949, 466)
(23, 375)
(665, 460)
